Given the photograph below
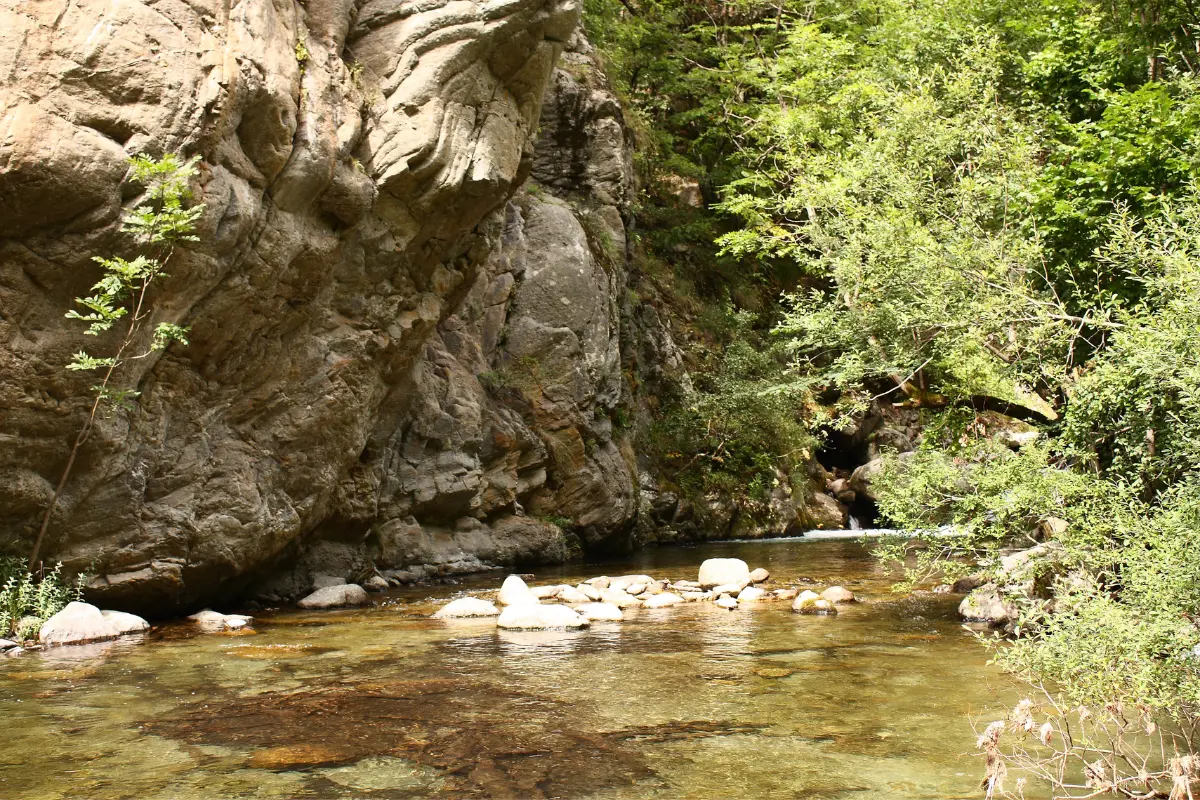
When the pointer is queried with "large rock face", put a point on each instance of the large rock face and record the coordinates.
(386, 356)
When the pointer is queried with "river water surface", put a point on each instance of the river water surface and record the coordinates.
(683, 702)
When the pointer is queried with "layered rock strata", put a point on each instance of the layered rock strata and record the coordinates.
(358, 270)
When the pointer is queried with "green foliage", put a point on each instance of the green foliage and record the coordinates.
(740, 430)
(28, 600)
(159, 223)
(1136, 412)
(302, 54)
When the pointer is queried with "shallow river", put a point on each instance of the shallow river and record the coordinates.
(682, 702)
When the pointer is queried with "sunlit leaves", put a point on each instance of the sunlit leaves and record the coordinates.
(160, 222)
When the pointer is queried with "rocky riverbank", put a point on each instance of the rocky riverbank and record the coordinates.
(727, 583)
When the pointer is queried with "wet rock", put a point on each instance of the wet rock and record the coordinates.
(822, 512)
(546, 592)
(718, 571)
(693, 596)
(589, 591)
(809, 602)
(759, 575)
(986, 604)
(375, 583)
(636, 589)
(213, 621)
(515, 592)
(79, 623)
(6, 645)
(838, 595)
(786, 594)
(726, 602)
(686, 585)
(340, 596)
(662, 600)
(600, 612)
(297, 756)
(533, 617)
(467, 607)
(753, 594)
(728, 588)
(773, 672)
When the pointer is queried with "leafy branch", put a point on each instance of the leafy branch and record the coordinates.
(160, 223)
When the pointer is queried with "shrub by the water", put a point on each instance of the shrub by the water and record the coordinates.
(28, 599)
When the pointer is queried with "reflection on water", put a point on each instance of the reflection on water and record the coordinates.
(687, 701)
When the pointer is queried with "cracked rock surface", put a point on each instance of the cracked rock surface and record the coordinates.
(360, 268)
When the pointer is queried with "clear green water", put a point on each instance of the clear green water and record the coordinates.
(682, 702)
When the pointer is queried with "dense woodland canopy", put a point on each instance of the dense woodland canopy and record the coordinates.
(958, 205)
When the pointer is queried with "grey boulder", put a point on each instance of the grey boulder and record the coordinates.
(340, 596)
(79, 623)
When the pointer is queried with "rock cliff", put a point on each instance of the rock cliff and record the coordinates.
(392, 357)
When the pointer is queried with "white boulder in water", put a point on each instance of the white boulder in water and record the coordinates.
(810, 602)
(79, 623)
(624, 582)
(759, 575)
(214, 621)
(618, 598)
(719, 571)
(338, 596)
(515, 592)
(727, 602)
(467, 607)
(838, 595)
(524, 616)
(752, 594)
(662, 600)
(590, 591)
(573, 596)
(600, 612)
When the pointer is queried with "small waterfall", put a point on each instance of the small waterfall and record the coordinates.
(855, 525)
